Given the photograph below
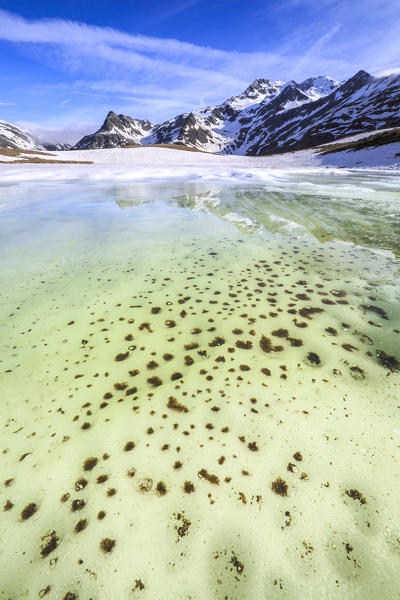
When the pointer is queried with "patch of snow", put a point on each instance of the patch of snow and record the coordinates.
(382, 156)
(358, 136)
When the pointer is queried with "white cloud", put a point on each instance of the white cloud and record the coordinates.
(53, 134)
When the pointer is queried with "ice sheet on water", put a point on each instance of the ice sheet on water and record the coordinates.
(191, 408)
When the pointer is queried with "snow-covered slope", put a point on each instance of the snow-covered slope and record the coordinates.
(217, 129)
(362, 103)
(268, 117)
(14, 137)
(116, 131)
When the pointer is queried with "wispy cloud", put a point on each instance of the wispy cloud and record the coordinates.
(173, 11)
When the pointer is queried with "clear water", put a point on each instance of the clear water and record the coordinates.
(245, 446)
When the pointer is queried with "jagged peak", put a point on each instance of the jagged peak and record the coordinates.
(358, 80)
(361, 73)
(260, 85)
(360, 77)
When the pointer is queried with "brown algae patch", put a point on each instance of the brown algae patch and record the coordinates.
(90, 463)
(107, 545)
(211, 478)
(176, 406)
(280, 487)
(28, 511)
(50, 543)
(161, 488)
(188, 487)
(356, 495)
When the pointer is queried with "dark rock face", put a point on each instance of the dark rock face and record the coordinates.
(268, 117)
(117, 131)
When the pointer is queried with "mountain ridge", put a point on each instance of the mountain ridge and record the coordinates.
(275, 116)
(268, 117)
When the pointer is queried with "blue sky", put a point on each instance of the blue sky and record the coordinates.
(64, 65)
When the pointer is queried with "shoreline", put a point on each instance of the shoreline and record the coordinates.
(150, 163)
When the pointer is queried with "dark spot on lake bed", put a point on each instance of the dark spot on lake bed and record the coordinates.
(387, 361)
(28, 511)
(331, 330)
(81, 525)
(244, 344)
(121, 356)
(90, 463)
(80, 484)
(356, 495)
(280, 333)
(313, 359)
(176, 376)
(211, 478)
(102, 478)
(266, 371)
(236, 563)
(50, 543)
(173, 404)
(252, 446)
(357, 372)
(280, 487)
(107, 544)
(375, 309)
(308, 311)
(77, 504)
(120, 386)
(154, 381)
(161, 488)
(217, 341)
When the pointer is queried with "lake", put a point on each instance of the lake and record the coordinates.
(200, 389)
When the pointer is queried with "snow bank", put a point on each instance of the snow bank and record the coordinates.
(141, 164)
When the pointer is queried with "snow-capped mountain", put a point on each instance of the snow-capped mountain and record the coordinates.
(116, 131)
(212, 128)
(362, 103)
(14, 137)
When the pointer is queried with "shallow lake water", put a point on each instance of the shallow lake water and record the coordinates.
(200, 389)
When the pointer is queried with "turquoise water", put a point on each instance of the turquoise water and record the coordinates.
(200, 389)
